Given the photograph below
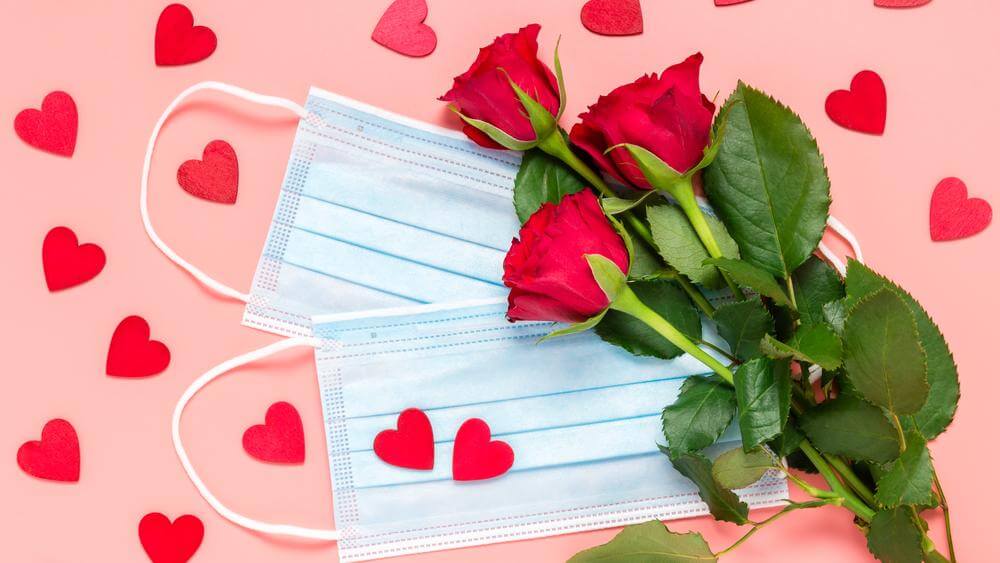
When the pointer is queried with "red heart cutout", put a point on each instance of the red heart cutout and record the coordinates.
(51, 129)
(411, 445)
(863, 108)
(56, 456)
(729, 2)
(402, 29)
(476, 457)
(132, 353)
(167, 542)
(612, 17)
(178, 41)
(66, 262)
(280, 439)
(215, 177)
(954, 214)
(901, 3)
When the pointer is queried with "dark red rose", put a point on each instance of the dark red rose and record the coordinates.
(483, 92)
(666, 115)
(548, 276)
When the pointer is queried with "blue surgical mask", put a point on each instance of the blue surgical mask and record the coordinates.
(582, 418)
(376, 210)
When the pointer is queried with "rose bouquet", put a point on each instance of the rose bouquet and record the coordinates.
(828, 370)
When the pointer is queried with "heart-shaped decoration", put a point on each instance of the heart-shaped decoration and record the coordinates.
(729, 2)
(56, 456)
(612, 17)
(280, 439)
(476, 457)
(402, 29)
(215, 177)
(863, 107)
(167, 542)
(901, 3)
(954, 214)
(410, 445)
(132, 353)
(67, 263)
(178, 41)
(52, 128)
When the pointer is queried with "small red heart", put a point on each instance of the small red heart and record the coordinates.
(280, 439)
(402, 29)
(901, 3)
(411, 445)
(954, 214)
(215, 177)
(476, 457)
(863, 108)
(56, 456)
(51, 129)
(612, 17)
(167, 542)
(132, 353)
(178, 41)
(67, 263)
(729, 2)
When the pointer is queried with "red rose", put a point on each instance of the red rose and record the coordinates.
(548, 276)
(484, 92)
(666, 115)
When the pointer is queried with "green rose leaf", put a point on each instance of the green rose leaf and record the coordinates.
(742, 325)
(763, 396)
(649, 542)
(670, 302)
(894, 537)
(788, 442)
(908, 481)
(816, 344)
(835, 313)
(757, 279)
(816, 284)
(542, 179)
(768, 183)
(701, 413)
(680, 246)
(883, 358)
(942, 375)
(722, 503)
(849, 426)
(736, 468)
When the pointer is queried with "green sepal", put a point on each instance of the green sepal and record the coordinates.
(543, 122)
(658, 173)
(618, 205)
(575, 327)
(559, 80)
(493, 132)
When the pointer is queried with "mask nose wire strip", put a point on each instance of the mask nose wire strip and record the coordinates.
(816, 372)
(215, 503)
(254, 97)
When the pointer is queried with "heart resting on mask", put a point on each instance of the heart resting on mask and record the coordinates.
(410, 445)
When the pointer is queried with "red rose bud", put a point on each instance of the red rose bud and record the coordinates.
(484, 91)
(666, 115)
(548, 276)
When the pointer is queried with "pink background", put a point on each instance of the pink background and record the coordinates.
(938, 63)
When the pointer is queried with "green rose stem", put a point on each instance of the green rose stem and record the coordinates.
(684, 194)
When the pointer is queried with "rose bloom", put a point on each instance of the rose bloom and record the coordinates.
(548, 276)
(666, 115)
(483, 92)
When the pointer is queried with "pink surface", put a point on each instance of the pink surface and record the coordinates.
(938, 63)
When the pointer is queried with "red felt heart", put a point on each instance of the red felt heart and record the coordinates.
(410, 445)
(901, 3)
(53, 128)
(67, 263)
(178, 41)
(280, 439)
(132, 353)
(402, 29)
(612, 17)
(476, 456)
(863, 107)
(167, 542)
(954, 214)
(215, 177)
(729, 2)
(56, 456)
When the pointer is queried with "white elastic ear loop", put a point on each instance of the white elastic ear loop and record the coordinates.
(175, 430)
(201, 276)
(816, 372)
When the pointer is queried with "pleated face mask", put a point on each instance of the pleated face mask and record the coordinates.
(376, 210)
(447, 426)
